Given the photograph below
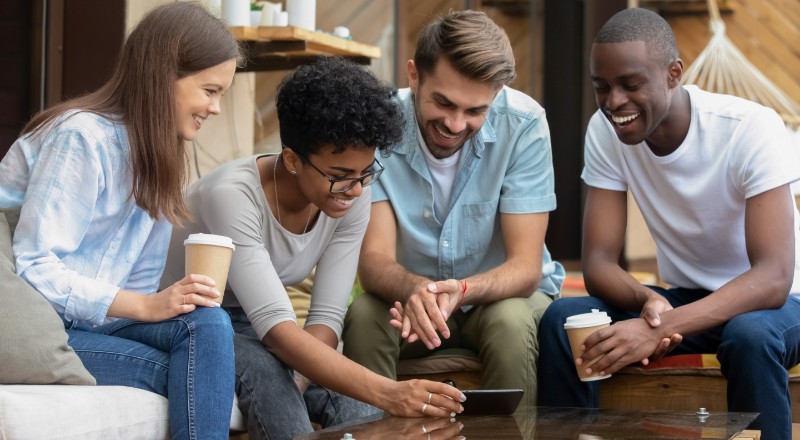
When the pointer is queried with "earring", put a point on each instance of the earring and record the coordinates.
(293, 171)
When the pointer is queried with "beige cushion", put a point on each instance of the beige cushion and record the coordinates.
(33, 343)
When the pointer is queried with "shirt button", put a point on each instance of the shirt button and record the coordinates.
(426, 214)
(445, 243)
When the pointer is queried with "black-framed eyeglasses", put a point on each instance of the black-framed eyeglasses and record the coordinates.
(344, 184)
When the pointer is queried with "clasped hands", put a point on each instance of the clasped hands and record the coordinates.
(424, 315)
(633, 340)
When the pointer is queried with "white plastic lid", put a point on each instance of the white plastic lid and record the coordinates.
(211, 239)
(587, 319)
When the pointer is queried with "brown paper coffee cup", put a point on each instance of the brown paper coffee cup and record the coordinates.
(578, 328)
(209, 255)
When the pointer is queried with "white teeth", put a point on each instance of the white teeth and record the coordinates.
(346, 202)
(623, 119)
(445, 135)
(198, 119)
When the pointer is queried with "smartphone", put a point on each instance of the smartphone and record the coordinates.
(491, 402)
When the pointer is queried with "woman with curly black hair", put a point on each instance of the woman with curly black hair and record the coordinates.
(306, 207)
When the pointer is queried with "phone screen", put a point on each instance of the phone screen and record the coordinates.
(490, 402)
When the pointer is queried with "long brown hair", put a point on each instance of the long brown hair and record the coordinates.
(172, 41)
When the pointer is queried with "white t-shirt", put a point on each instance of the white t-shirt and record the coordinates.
(443, 174)
(693, 200)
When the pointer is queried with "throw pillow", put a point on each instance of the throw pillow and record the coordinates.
(33, 343)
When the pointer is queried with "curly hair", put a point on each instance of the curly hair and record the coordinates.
(334, 102)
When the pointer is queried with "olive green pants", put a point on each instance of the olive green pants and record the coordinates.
(503, 334)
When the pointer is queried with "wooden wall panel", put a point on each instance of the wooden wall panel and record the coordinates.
(372, 22)
(765, 31)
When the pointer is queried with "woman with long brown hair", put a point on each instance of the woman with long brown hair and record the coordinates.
(98, 181)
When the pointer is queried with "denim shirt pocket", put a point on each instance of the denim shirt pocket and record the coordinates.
(478, 227)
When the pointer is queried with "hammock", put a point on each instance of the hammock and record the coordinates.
(722, 68)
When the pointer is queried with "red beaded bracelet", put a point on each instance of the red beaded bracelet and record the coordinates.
(463, 291)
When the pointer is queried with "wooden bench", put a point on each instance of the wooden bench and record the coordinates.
(658, 387)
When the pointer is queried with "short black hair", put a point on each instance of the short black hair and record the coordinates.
(335, 102)
(637, 24)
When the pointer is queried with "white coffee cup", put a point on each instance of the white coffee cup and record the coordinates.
(578, 328)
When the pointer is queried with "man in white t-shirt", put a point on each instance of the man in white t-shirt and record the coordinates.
(711, 175)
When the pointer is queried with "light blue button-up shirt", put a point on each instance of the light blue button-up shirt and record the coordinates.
(80, 237)
(507, 168)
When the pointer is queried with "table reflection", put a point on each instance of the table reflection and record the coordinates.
(544, 423)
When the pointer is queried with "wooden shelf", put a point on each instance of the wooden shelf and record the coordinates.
(286, 47)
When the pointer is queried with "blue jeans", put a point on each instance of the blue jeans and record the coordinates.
(269, 399)
(754, 350)
(188, 359)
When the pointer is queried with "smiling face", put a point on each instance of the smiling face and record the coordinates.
(350, 163)
(450, 107)
(197, 97)
(635, 92)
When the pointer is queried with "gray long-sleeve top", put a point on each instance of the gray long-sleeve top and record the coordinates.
(230, 201)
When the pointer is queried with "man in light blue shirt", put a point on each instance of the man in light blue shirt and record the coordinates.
(456, 237)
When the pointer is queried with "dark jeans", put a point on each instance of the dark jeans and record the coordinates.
(269, 399)
(754, 349)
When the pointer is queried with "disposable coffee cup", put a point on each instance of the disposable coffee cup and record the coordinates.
(578, 328)
(209, 255)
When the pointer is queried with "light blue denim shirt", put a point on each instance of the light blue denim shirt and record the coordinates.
(80, 237)
(507, 168)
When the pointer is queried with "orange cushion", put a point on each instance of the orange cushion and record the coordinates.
(690, 364)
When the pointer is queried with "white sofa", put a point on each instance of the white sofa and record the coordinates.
(39, 412)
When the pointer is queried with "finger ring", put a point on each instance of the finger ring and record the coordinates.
(424, 407)
(184, 299)
(429, 397)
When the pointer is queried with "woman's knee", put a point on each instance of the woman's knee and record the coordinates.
(210, 322)
(253, 358)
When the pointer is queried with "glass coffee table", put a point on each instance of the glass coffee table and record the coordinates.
(544, 423)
